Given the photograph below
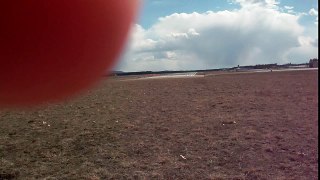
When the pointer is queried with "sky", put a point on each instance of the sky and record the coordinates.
(209, 34)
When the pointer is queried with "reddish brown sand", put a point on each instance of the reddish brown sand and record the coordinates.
(237, 126)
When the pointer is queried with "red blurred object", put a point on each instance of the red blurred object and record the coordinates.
(51, 49)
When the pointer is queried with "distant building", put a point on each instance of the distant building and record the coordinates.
(313, 63)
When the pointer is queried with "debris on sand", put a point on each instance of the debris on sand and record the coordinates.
(228, 122)
(183, 157)
(45, 123)
(301, 154)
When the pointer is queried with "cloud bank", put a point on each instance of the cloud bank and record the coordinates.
(256, 33)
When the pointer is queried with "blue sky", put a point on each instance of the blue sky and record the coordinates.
(201, 34)
(151, 10)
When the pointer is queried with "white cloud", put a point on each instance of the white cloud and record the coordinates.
(308, 48)
(307, 41)
(255, 3)
(255, 35)
(291, 11)
(288, 7)
(313, 12)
